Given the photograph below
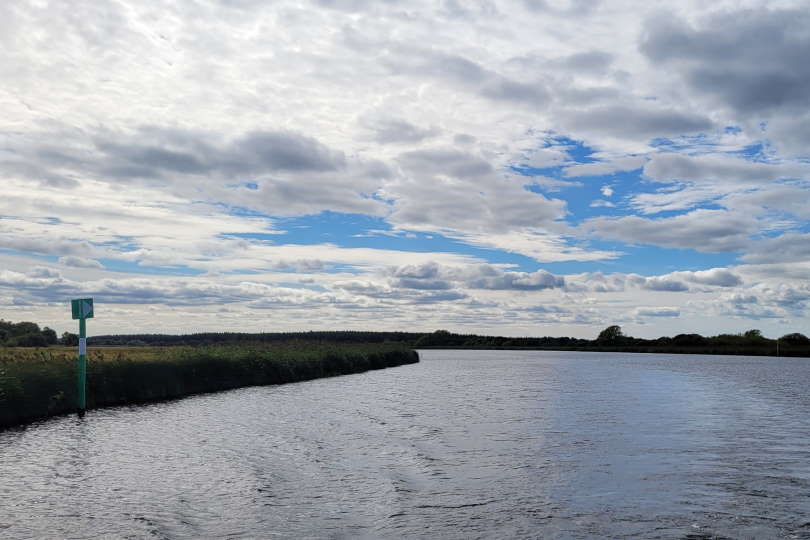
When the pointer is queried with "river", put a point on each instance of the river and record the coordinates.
(465, 444)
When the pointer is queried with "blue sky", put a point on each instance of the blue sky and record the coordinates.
(349, 164)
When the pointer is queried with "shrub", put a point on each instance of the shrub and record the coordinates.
(39, 383)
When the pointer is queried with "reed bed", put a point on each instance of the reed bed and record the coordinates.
(37, 383)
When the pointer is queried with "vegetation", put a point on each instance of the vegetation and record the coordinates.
(36, 383)
(25, 334)
(611, 335)
(213, 338)
(612, 338)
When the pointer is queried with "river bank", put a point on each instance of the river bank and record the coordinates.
(612, 339)
(38, 383)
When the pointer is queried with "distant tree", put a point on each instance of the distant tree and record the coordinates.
(611, 334)
(689, 340)
(440, 338)
(22, 328)
(753, 334)
(69, 340)
(29, 340)
(795, 338)
(50, 336)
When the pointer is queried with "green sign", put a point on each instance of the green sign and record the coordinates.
(82, 308)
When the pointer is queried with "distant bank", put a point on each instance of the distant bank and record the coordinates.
(41, 382)
(611, 339)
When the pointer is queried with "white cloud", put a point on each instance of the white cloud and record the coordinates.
(716, 169)
(791, 247)
(600, 168)
(657, 312)
(184, 140)
(702, 230)
(80, 262)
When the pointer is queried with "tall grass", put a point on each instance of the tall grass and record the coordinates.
(36, 383)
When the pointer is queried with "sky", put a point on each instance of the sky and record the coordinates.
(522, 168)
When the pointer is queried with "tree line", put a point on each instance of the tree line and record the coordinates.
(25, 334)
(612, 338)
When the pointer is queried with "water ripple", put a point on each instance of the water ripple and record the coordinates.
(466, 444)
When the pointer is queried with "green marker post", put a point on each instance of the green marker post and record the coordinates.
(82, 309)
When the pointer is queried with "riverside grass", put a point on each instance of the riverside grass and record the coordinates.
(37, 383)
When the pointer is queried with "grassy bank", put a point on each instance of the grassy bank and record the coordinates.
(36, 383)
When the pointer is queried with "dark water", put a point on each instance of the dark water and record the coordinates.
(466, 444)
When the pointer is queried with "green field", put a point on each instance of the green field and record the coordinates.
(40, 382)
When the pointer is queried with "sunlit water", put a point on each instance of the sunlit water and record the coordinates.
(465, 444)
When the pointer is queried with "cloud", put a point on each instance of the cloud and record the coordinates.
(246, 163)
(775, 271)
(664, 284)
(195, 153)
(548, 156)
(751, 60)
(708, 231)
(680, 281)
(718, 277)
(47, 286)
(552, 184)
(766, 301)
(593, 61)
(44, 272)
(790, 133)
(445, 161)
(657, 312)
(789, 247)
(732, 182)
(776, 199)
(600, 168)
(398, 131)
(670, 167)
(289, 173)
(402, 290)
(526, 281)
(17, 240)
(464, 139)
(637, 122)
(80, 262)
(542, 247)
(344, 5)
(281, 151)
(466, 74)
(596, 282)
(433, 276)
(571, 8)
(454, 191)
(677, 199)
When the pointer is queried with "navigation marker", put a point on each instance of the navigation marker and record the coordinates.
(82, 309)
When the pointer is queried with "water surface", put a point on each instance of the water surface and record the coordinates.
(465, 444)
